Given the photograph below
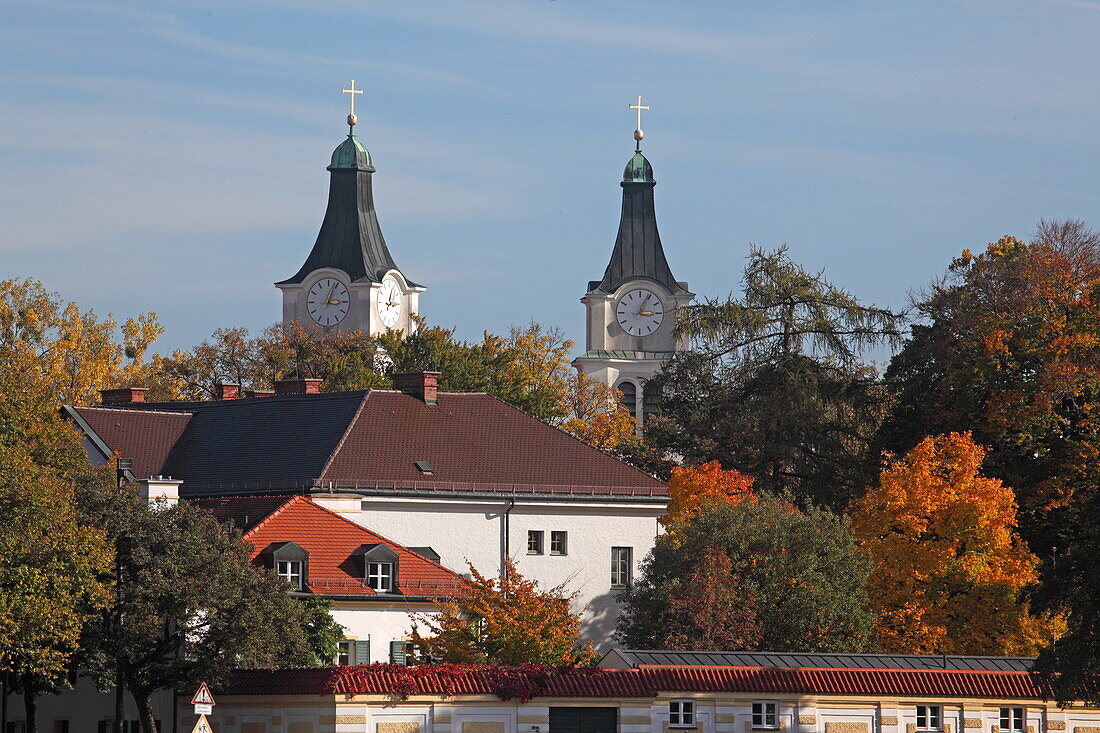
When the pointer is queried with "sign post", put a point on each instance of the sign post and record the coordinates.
(204, 705)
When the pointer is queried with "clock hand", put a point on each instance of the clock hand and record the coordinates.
(328, 298)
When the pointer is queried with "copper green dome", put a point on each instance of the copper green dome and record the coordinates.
(638, 170)
(351, 154)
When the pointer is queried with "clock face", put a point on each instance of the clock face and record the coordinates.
(640, 312)
(389, 303)
(328, 301)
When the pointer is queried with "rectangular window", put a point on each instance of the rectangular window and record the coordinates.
(765, 714)
(344, 652)
(681, 714)
(291, 572)
(534, 542)
(929, 717)
(1012, 719)
(559, 543)
(61, 726)
(380, 576)
(622, 561)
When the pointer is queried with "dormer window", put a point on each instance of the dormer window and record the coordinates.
(380, 576)
(290, 562)
(379, 565)
(291, 572)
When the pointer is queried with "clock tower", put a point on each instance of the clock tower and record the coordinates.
(632, 310)
(350, 281)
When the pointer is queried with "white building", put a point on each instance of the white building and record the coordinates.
(465, 477)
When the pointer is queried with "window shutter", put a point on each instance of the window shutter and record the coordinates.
(362, 652)
(397, 652)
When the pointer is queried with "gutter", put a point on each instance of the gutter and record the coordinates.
(450, 495)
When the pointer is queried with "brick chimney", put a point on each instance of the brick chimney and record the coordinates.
(421, 385)
(298, 386)
(227, 391)
(122, 395)
(252, 393)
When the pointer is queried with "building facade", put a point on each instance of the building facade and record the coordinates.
(638, 692)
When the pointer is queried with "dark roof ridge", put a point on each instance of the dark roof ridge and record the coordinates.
(574, 437)
(826, 654)
(347, 431)
(127, 409)
(441, 392)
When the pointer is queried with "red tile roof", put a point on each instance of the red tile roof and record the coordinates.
(147, 436)
(642, 682)
(362, 440)
(331, 540)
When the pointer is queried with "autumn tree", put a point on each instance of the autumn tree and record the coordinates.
(950, 571)
(712, 611)
(1008, 349)
(595, 414)
(50, 564)
(72, 351)
(693, 488)
(774, 384)
(799, 573)
(505, 620)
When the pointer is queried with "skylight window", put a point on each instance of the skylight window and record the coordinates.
(424, 467)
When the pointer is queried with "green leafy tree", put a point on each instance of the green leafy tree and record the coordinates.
(50, 565)
(188, 605)
(712, 611)
(799, 573)
(774, 385)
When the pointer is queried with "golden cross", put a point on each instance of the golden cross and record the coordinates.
(639, 107)
(353, 91)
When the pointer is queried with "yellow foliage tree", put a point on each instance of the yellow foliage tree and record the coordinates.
(507, 620)
(71, 350)
(691, 488)
(949, 568)
(596, 415)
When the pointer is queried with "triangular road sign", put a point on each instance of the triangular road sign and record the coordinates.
(202, 726)
(203, 696)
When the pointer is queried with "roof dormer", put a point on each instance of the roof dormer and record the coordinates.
(290, 562)
(378, 564)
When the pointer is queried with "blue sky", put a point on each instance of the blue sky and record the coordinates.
(170, 156)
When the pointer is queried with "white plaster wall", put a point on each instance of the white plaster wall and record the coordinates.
(474, 531)
(380, 624)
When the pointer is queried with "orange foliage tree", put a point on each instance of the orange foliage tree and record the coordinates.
(949, 567)
(596, 415)
(505, 620)
(692, 487)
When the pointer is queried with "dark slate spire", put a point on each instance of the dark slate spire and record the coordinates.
(350, 238)
(638, 252)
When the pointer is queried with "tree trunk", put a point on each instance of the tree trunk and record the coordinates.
(120, 707)
(30, 703)
(144, 710)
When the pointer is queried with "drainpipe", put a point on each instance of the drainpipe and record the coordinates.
(507, 529)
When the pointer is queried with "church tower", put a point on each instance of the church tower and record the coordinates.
(632, 310)
(350, 281)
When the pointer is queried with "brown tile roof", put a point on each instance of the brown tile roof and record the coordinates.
(469, 438)
(331, 540)
(361, 440)
(147, 436)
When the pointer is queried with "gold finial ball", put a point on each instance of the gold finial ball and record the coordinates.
(638, 134)
(352, 119)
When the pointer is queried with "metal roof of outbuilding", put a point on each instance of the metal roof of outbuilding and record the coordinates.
(632, 658)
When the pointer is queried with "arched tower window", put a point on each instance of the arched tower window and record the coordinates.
(629, 398)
